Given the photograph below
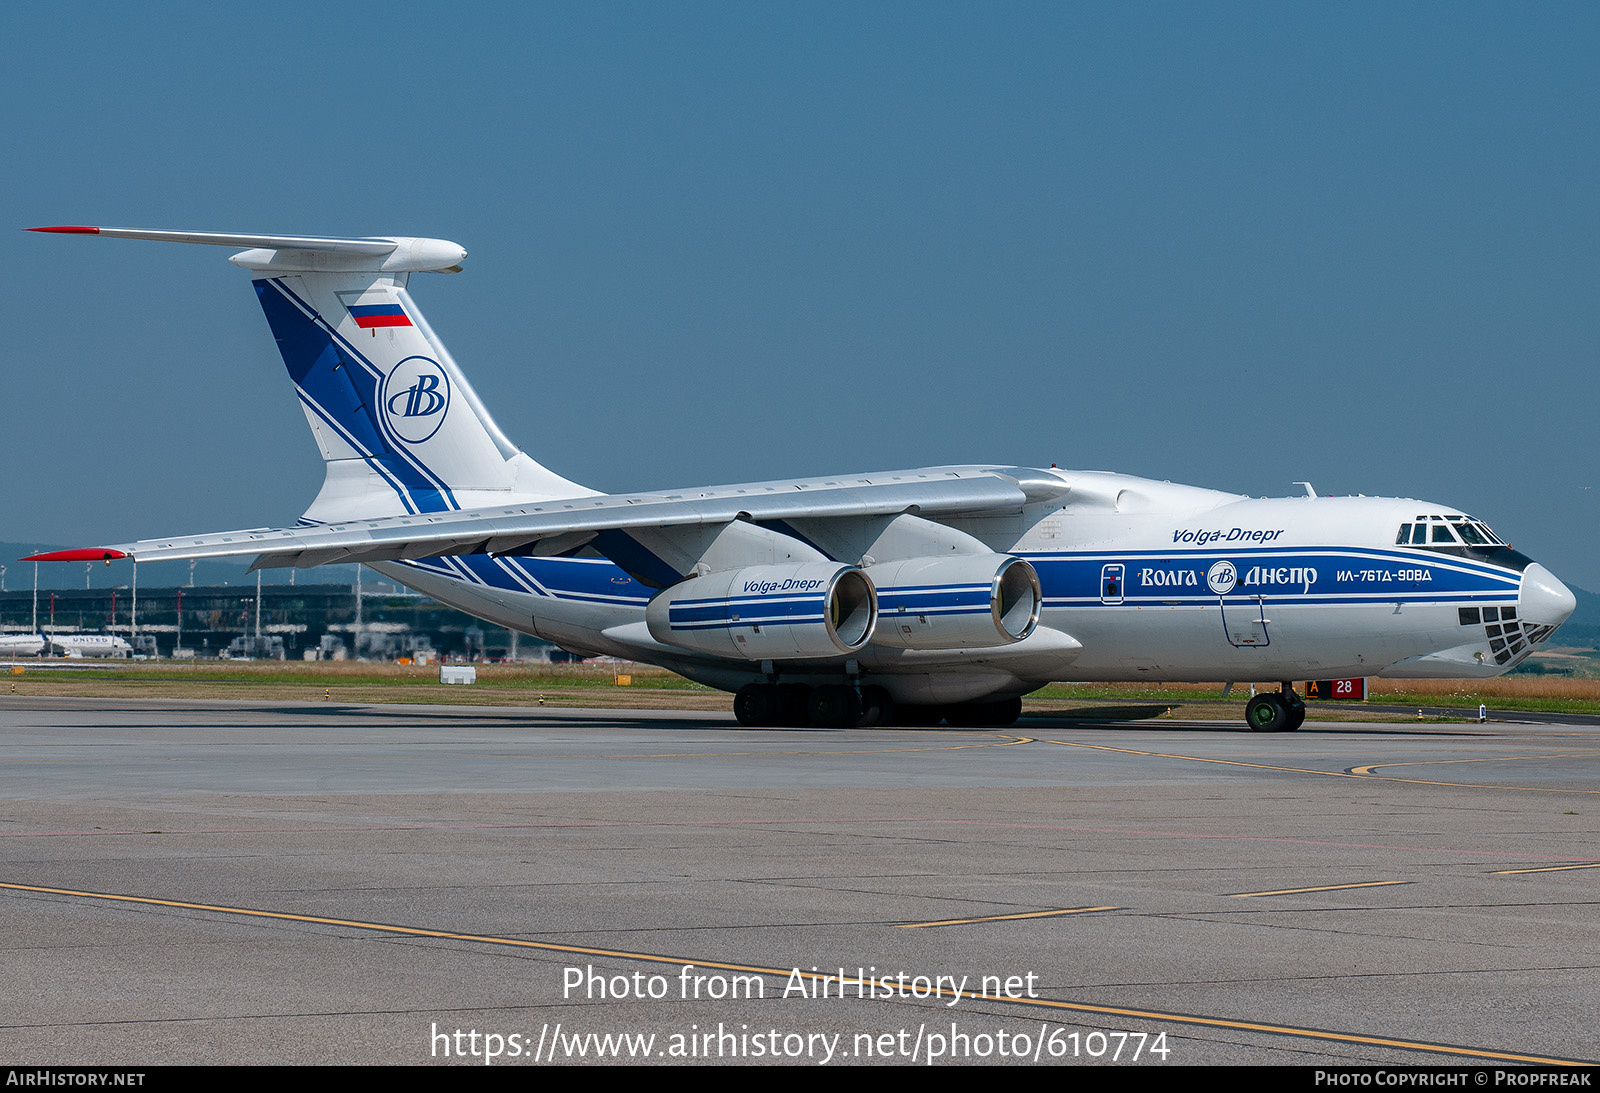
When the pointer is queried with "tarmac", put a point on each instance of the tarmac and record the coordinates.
(213, 882)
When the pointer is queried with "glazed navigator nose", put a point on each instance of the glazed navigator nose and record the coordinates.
(1544, 600)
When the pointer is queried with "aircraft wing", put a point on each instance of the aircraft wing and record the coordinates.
(519, 529)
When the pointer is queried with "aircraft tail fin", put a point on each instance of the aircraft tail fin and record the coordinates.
(399, 427)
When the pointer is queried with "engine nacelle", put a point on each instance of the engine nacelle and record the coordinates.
(768, 612)
(965, 601)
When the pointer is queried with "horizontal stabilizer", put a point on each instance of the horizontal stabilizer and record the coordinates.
(390, 254)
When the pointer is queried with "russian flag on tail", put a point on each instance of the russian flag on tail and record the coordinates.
(371, 309)
(371, 316)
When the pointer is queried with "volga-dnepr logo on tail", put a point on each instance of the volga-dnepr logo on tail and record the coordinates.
(416, 398)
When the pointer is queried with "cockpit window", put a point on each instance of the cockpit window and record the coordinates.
(1446, 530)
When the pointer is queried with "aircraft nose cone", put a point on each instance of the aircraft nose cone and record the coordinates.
(1544, 600)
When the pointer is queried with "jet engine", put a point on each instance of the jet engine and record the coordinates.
(770, 612)
(967, 601)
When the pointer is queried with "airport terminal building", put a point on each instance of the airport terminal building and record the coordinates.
(294, 622)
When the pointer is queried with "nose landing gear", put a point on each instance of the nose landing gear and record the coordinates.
(1281, 712)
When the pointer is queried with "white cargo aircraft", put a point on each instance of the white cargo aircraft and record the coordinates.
(941, 592)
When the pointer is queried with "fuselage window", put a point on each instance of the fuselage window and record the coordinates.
(1441, 534)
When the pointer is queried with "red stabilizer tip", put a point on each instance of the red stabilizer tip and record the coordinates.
(82, 554)
(68, 229)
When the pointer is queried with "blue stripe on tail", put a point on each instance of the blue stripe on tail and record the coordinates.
(341, 388)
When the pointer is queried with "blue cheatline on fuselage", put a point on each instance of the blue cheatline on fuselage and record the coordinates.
(1301, 575)
(1342, 576)
(584, 580)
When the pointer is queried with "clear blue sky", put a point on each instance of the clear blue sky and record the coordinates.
(1237, 245)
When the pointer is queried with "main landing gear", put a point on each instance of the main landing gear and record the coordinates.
(1281, 712)
(835, 706)
(841, 706)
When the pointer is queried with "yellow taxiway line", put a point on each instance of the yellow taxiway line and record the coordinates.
(1004, 918)
(1059, 1005)
(1319, 888)
(1546, 869)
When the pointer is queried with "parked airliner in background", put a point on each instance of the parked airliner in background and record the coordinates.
(21, 645)
(941, 592)
(74, 646)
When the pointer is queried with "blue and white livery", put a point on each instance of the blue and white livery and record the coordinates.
(942, 592)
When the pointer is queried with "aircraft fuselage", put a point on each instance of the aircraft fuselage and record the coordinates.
(1141, 580)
